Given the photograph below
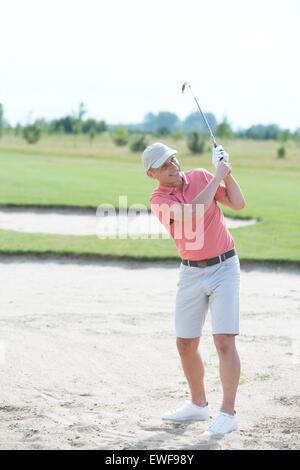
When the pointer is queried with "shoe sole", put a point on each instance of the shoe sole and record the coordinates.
(186, 419)
(218, 433)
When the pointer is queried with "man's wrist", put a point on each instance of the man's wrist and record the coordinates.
(217, 179)
(227, 177)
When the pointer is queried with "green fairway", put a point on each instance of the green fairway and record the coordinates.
(55, 172)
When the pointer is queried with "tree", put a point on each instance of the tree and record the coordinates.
(42, 125)
(139, 143)
(60, 129)
(81, 111)
(31, 133)
(223, 130)
(149, 122)
(195, 122)
(196, 141)
(177, 134)
(272, 132)
(296, 135)
(92, 134)
(66, 123)
(88, 125)
(285, 135)
(120, 135)
(162, 131)
(164, 119)
(102, 126)
(76, 129)
(261, 132)
(77, 121)
(167, 119)
(18, 129)
(1, 120)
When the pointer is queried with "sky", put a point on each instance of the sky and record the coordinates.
(125, 58)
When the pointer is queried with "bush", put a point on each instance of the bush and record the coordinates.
(31, 134)
(102, 127)
(196, 142)
(281, 151)
(139, 143)
(162, 131)
(92, 134)
(120, 135)
(177, 134)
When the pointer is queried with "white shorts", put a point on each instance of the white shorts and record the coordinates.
(216, 287)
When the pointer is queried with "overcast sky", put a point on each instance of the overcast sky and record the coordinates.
(124, 58)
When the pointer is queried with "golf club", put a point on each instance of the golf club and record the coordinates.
(202, 114)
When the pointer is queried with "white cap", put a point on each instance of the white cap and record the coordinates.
(156, 154)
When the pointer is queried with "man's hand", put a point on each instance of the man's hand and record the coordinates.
(219, 153)
(223, 170)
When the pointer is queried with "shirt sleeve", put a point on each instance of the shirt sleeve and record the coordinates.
(221, 191)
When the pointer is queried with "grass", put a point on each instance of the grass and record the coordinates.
(55, 172)
(28, 432)
(242, 381)
(262, 377)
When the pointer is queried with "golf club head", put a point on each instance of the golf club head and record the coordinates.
(184, 85)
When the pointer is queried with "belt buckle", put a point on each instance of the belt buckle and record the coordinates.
(222, 257)
(201, 264)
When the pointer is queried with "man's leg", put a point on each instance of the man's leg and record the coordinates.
(193, 368)
(229, 370)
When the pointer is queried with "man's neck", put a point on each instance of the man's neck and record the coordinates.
(178, 185)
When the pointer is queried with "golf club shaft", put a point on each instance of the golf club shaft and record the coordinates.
(204, 118)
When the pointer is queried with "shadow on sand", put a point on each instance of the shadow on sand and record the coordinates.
(168, 437)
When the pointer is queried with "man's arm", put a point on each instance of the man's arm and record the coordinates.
(234, 197)
(205, 197)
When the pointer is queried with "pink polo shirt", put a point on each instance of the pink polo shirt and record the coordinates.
(211, 234)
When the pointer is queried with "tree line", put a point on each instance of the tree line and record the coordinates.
(164, 123)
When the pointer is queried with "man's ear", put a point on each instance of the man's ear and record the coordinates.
(150, 174)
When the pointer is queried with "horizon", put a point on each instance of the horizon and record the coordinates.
(128, 124)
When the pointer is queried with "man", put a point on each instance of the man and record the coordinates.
(209, 275)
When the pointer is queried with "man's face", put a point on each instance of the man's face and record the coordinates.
(168, 174)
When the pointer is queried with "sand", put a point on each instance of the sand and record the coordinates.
(82, 222)
(88, 358)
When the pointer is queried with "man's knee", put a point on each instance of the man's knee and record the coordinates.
(224, 343)
(187, 346)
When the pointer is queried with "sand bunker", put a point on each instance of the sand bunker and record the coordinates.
(82, 222)
(89, 360)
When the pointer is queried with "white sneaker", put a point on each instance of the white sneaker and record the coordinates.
(189, 412)
(223, 423)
